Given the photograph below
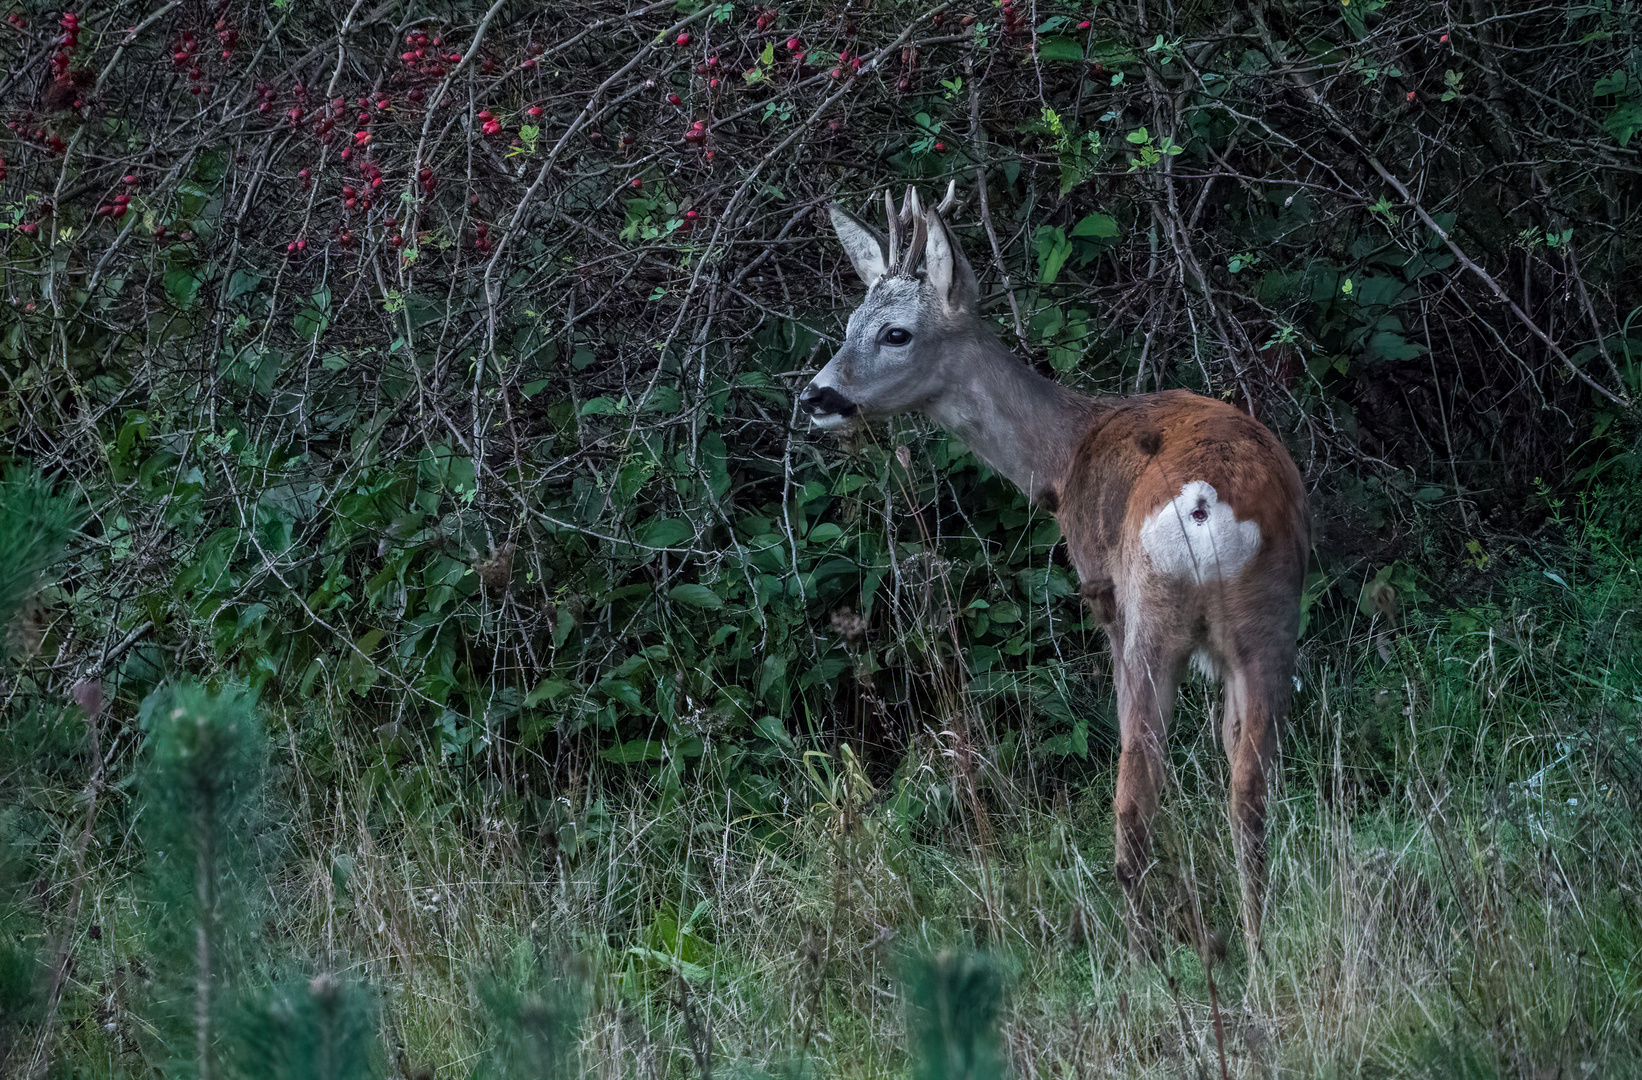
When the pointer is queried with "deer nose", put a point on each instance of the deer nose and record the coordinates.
(825, 401)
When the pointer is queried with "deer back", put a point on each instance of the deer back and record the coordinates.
(1174, 490)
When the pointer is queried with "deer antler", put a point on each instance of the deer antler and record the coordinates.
(894, 229)
(911, 216)
(915, 248)
(950, 200)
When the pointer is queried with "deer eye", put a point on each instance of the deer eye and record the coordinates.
(896, 336)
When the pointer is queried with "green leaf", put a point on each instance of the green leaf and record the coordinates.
(1063, 49)
(635, 750)
(183, 285)
(1005, 611)
(1624, 122)
(1099, 226)
(547, 690)
(714, 457)
(1612, 83)
(241, 283)
(698, 596)
(667, 532)
(1054, 248)
(624, 692)
(1389, 346)
(771, 728)
(309, 323)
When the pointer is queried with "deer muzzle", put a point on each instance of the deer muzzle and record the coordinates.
(826, 407)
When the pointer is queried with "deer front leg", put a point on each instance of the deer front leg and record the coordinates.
(1145, 698)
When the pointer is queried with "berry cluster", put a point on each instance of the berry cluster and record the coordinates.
(1011, 20)
(116, 207)
(63, 55)
(186, 57)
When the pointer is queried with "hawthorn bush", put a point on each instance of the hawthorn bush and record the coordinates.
(438, 364)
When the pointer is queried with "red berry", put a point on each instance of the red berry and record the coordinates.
(1411, 95)
(1084, 25)
(674, 99)
(534, 111)
(129, 178)
(28, 228)
(940, 148)
(793, 44)
(692, 214)
(637, 182)
(684, 38)
(1443, 40)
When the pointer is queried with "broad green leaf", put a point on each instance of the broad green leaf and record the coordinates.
(635, 750)
(699, 596)
(1389, 346)
(1099, 226)
(241, 283)
(667, 532)
(1060, 48)
(309, 323)
(624, 692)
(1624, 122)
(1054, 248)
(183, 285)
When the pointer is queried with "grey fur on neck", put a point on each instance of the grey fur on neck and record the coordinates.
(1021, 424)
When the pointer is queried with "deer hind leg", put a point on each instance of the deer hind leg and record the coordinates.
(1256, 700)
(1146, 681)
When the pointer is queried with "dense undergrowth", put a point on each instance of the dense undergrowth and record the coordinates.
(1456, 880)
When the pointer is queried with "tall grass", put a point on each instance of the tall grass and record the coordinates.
(1456, 890)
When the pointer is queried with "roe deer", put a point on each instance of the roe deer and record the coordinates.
(1185, 518)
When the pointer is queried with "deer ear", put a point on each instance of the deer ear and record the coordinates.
(866, 249)
(948, 272)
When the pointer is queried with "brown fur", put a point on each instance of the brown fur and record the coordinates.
(1247, 625)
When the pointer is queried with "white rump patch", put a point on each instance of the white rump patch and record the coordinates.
(1197, 536)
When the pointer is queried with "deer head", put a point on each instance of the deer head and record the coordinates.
(921, 298)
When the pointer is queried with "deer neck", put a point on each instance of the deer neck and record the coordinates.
(1023, 425)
